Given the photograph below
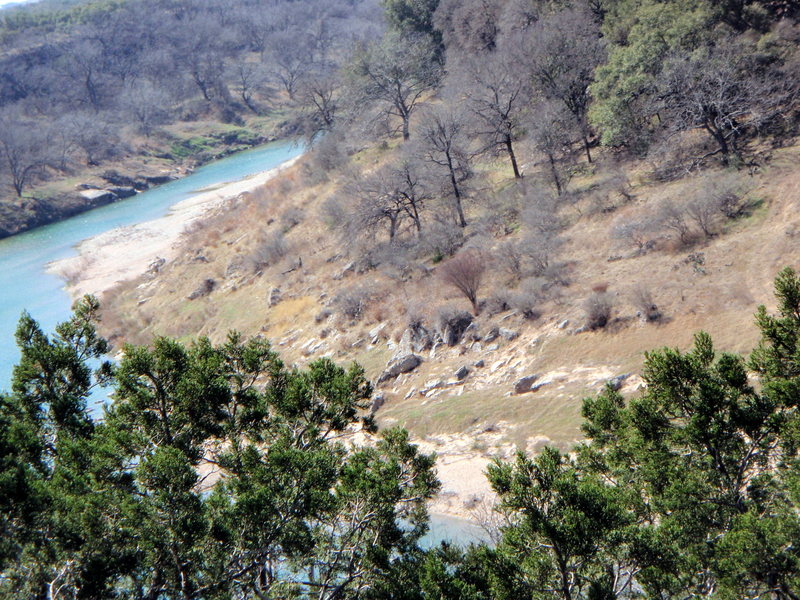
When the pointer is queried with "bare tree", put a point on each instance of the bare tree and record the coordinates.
(725, 91)
(468, 25)
(319, 96)
(290, 58)
(83, 64)
(551, 132)
(497, 97)
(24, 149)
(465, 273)
(444, 144)
(388, 197)
(396, 72)
(250, 79)
(148, 104)
(561, 53)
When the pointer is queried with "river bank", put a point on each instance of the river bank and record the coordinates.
(170, 154)
(125, 253)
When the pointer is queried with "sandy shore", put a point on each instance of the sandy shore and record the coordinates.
(125, 253)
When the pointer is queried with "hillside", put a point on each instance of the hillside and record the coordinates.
(305, 310)
(535, 268)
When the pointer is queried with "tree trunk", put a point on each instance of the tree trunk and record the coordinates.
(554, 173)
(456, 192)
(415, 216)
(586, 148)
(719, 137)
(510, 150)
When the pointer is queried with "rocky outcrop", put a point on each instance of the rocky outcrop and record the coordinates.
(508, 334)
(98, 197)
(453, 325)
(274, 297)
(616, 383)
(416, 338)
(204, 289)
(123, 191)
(525, 384)
(398, 366)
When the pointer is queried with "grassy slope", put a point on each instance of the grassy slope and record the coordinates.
(739, 269)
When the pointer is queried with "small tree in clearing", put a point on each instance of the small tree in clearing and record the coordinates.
(465, 273)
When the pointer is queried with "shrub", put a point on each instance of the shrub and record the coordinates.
(510, 258)
(636, 230)
(291, 217)
(442, 239)
(333, 212)
(327, 155)
(352, 302)
(598, 309)
(497, 302)
(269, 250)
(465, 273)
(539, 250)
(526, 299)
(642, 299)
(673, 216)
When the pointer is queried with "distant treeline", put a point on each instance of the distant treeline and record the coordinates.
(81, 83)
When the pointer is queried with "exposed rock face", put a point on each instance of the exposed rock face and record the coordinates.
(525, 384)
(416, 338)
(377, 401)
(123, 191)
(274, 297)
(462, 373)
(453, 326)
(617, 382)
(117, 179)
(204, 289)
(398, 366)
(98, 197)
(375, 333)
(159, 179)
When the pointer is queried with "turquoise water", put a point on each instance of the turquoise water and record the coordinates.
(454, 531)
(24, 283)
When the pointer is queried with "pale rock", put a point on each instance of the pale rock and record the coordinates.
(508, 334)
(403, 364)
